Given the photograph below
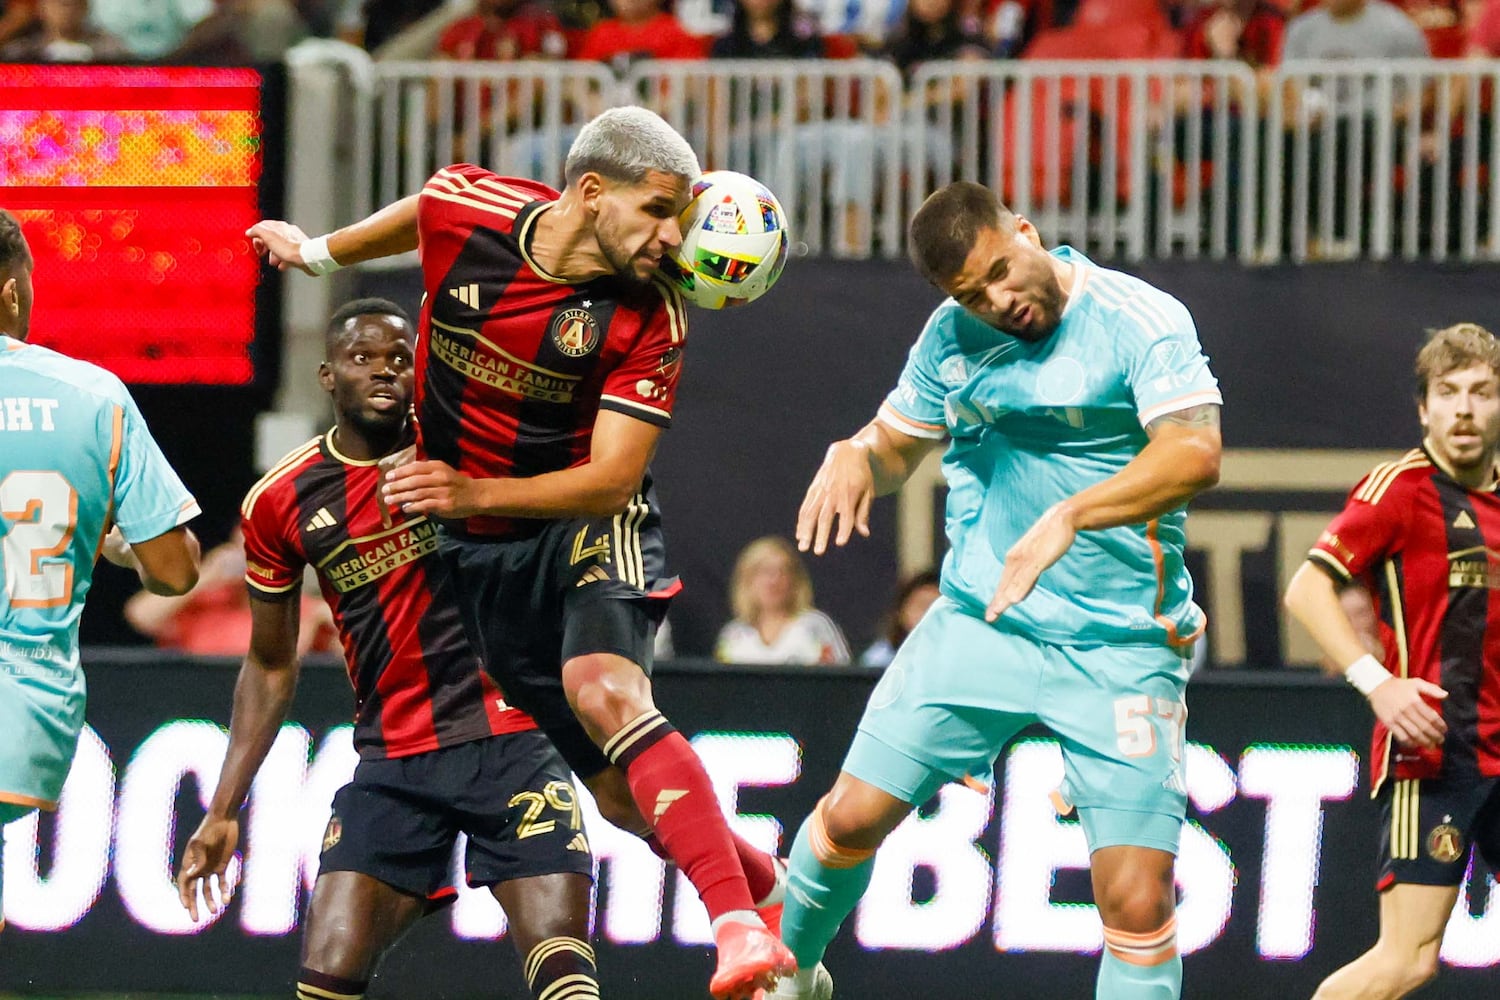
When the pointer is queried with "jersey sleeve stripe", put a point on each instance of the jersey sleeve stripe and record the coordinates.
(1187, 402)
(676, 312)
(504, 190)
(1386, 475)
(296, 457)
(469, 202)
(641, 411)
(894, 418)
(116, 443)
(1328, 561)
(498, 195)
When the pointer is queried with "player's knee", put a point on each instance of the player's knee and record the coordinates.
(1135, 905)
(607, 692)
(848, 821)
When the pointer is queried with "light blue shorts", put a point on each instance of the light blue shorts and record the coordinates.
(41, 715)
(960, 689)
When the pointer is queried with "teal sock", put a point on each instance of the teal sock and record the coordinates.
(1123, 981)
(818, 899)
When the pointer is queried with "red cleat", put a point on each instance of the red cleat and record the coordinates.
(750, 959)
(771, 917)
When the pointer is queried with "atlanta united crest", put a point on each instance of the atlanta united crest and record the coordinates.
(575, 332)
(1445, 844)
(333, 833)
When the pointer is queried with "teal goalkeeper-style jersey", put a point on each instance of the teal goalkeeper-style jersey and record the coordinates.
(74, 450)
(1031, 424)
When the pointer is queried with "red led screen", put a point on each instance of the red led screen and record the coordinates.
(134, 187)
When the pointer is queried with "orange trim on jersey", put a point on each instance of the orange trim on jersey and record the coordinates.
(829, 854)
(294, 457)
(886, 407)
(1157, 557)
(1383, 476)
(117, 432)
(17, 799)
(973, 784)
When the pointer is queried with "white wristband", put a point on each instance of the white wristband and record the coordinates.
(317, 258)
(1366, 674)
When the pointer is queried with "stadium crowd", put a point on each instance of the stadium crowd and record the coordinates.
(1260, 32)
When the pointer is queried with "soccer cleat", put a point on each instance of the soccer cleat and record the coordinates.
(791, 988)
(750, 959)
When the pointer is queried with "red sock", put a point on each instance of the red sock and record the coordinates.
(759, 868)
(672, 790)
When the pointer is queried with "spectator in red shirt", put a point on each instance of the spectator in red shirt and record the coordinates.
(1247, 30)
(504, 30)
(1484, 29)
(640, 29)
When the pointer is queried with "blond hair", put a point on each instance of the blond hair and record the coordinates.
(1454, 348)
(751, 558)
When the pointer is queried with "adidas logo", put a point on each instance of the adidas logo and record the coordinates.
(579, 843)
(593, 575)
(467, 294)
(322, 519)
(664, 801)
(1463, 520)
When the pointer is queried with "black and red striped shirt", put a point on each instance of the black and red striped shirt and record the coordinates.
(513, 364)
(418, 685)
(1428, 549)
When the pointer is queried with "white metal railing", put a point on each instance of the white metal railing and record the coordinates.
(1126, 159)
(1136, 158)
(1382, 158)
(824, 135)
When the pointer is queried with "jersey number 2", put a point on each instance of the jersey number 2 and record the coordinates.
(40, 509)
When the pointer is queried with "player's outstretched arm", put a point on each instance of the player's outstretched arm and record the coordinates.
(389, 231)
(1399, 702)
(1180, 460)
(874, 462)
(619, 452)
(262, 695)
(167, 564)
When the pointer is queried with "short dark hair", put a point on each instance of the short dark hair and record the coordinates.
(944, 229)
(13, 248)
(360, 307)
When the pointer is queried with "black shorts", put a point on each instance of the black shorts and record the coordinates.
(1429, 826)
(398, 819)
(578, 586)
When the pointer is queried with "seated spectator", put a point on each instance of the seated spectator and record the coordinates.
(932, 30)
(150, 28)
(17, 17)
(768, 29)
(640, 29)
(774, 618)
(1483, 25)
(1443, 22)
(912, 601)
(504, 30)
(1354, 29)
(241, 32)
(214, 618)
(1249, 31)
(63, 35)
(371, 23)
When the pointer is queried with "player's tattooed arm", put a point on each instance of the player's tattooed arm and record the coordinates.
(1204, 415)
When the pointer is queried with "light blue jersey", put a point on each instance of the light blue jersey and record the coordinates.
(1034, 423)
(75, 455)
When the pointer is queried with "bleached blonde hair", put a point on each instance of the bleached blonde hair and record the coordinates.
(624, 144)
(751, 558)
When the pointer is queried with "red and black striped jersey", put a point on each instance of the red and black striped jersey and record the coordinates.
(513, 364)
(1428, 549)
(418, 684)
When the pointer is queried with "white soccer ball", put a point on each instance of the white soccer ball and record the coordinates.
(734, 241)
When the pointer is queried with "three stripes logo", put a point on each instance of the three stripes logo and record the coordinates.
(593, 575)
(467, 294)
(322, 519)
(579, 843)
(1463, 520)
(665, 800)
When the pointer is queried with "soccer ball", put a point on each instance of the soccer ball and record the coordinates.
(733, 241)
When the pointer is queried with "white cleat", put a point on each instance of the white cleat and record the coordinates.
(816, 984)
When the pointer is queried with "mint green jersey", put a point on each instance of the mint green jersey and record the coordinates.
(75, 456)
(1031, 424)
